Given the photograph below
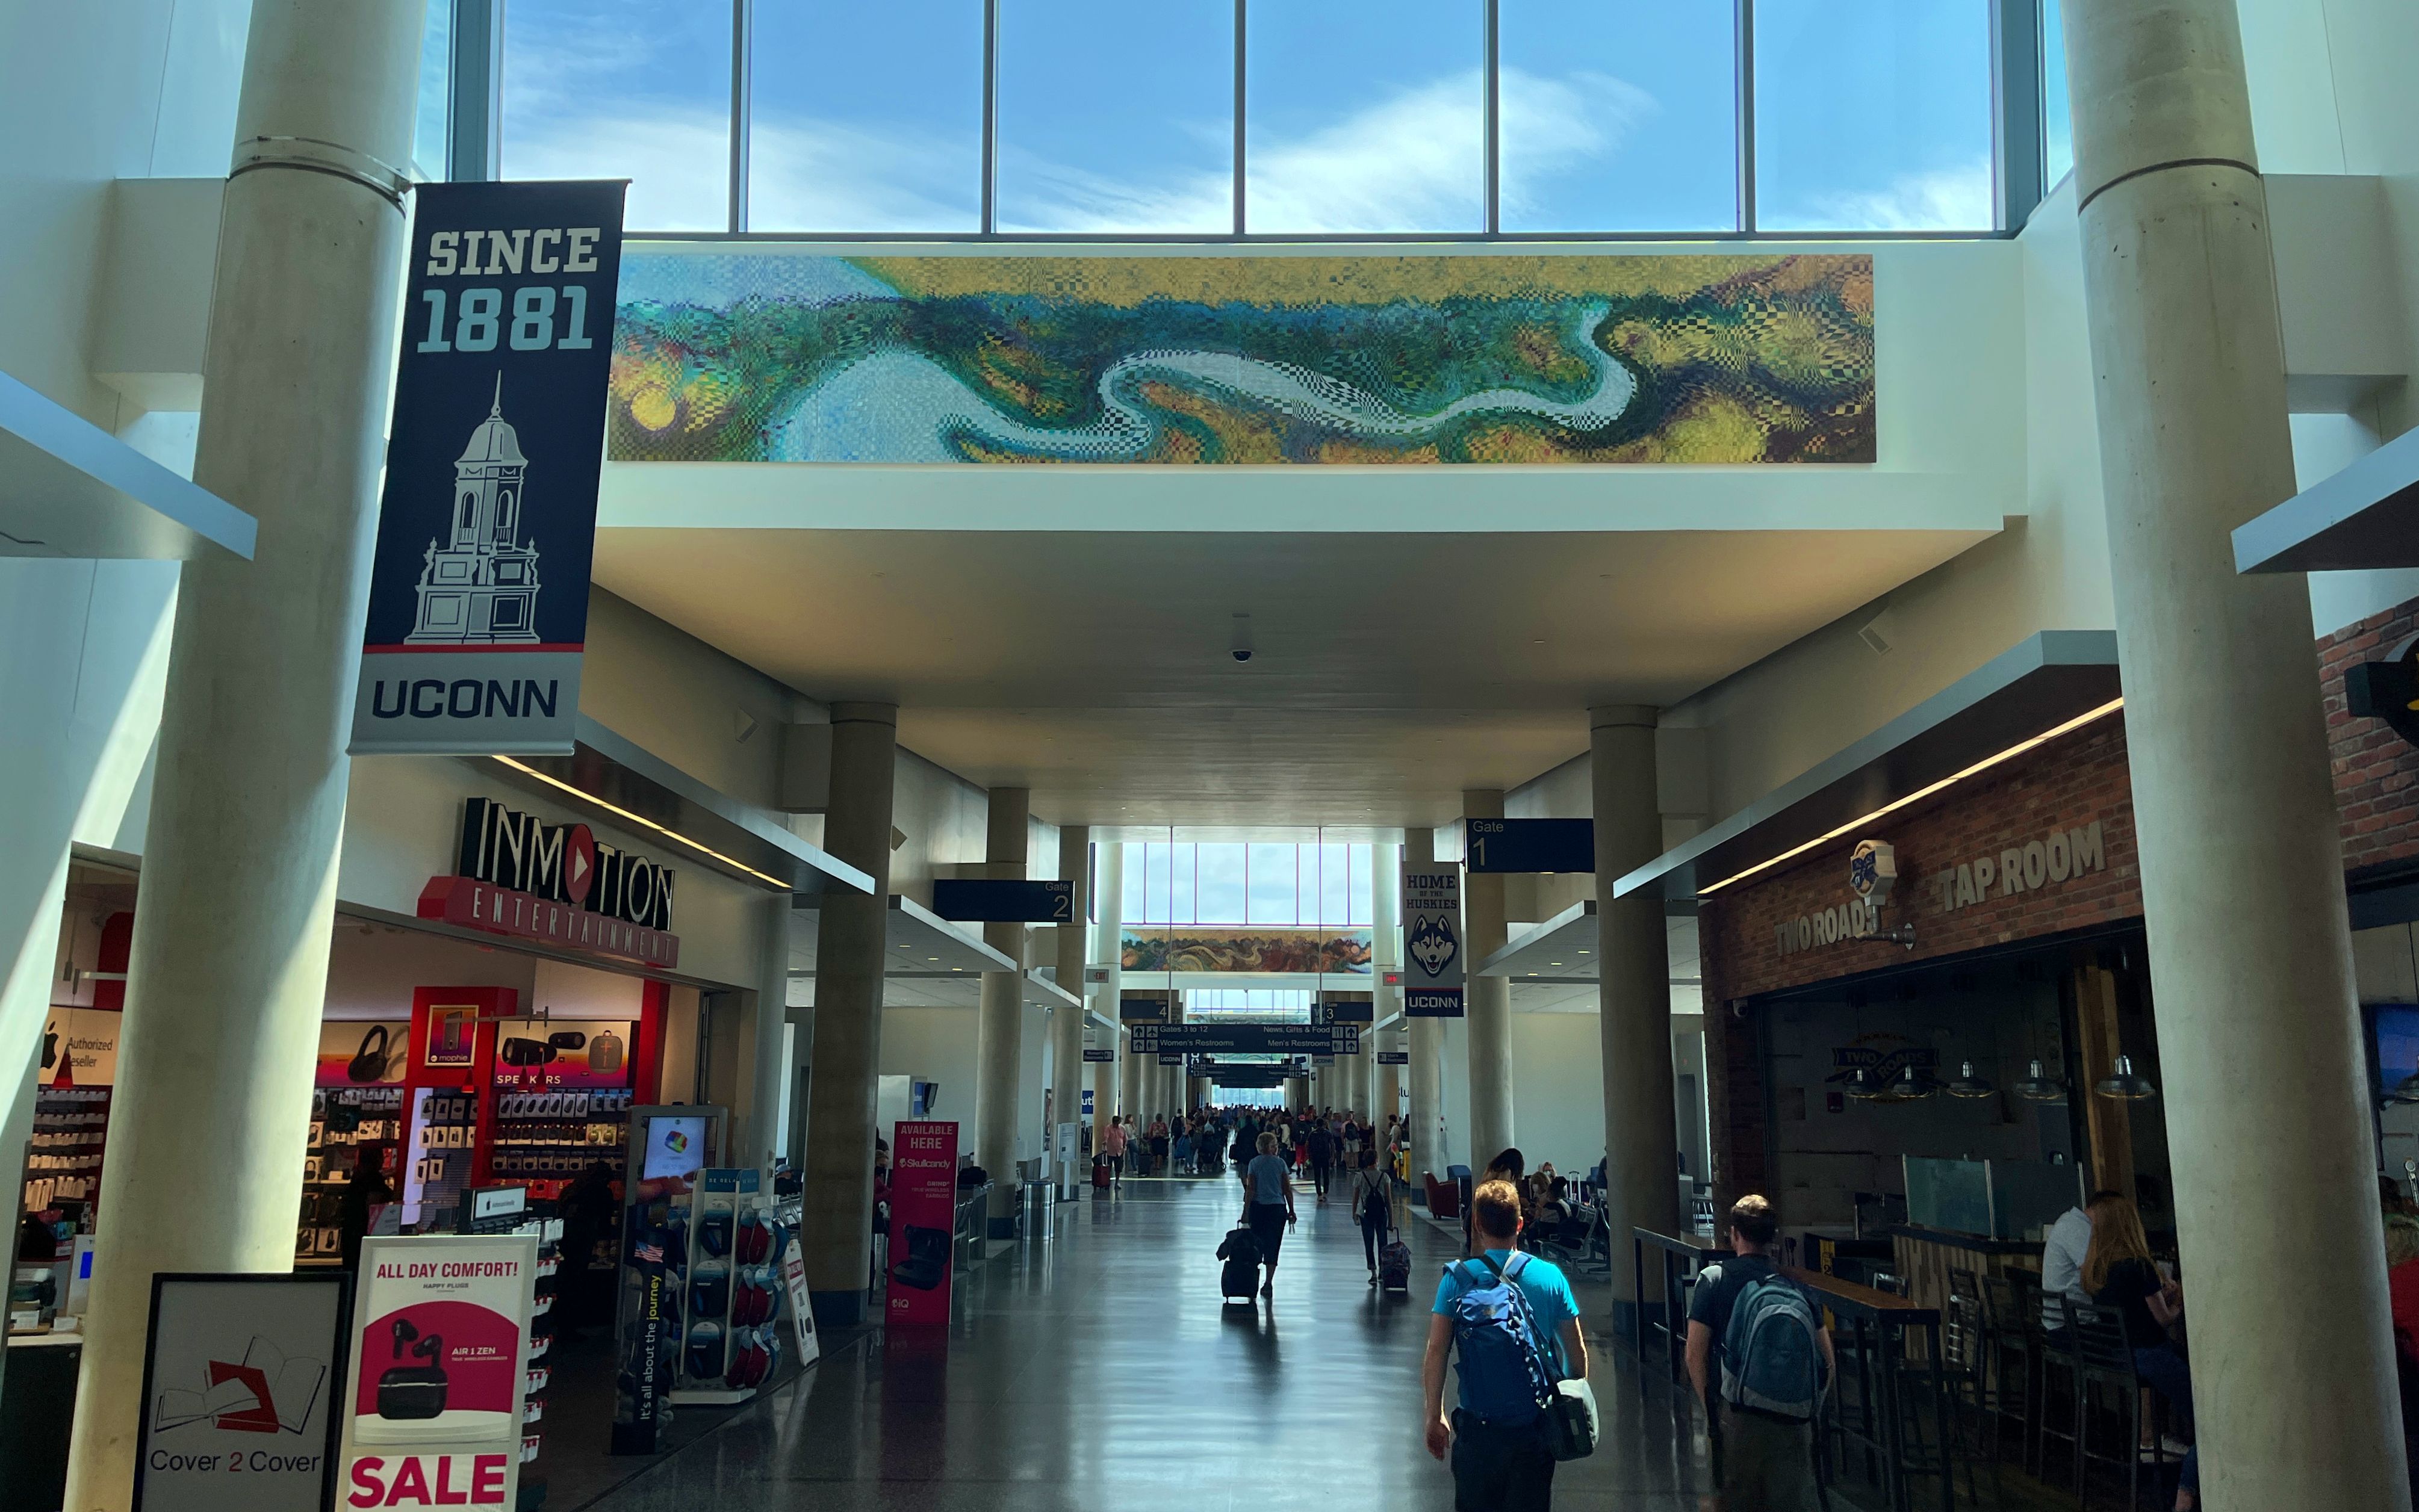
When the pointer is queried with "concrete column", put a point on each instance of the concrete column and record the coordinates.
(1633, 991)
(759, 1123)
(2241, 867)
(1169, 1086)
(1106, 1080)
(999, 1052)
(1131, 1075)
(836, 1236)
(1425, 1036)
(229, 971)
(1489, 998)
(1386, 930)
(1066, 1024)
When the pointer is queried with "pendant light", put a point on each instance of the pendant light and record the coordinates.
(1913, 1084)
(2406, 1090)
(2040, 1089)
(1862, 1085)
(1969, 1085)
(2124, 1085)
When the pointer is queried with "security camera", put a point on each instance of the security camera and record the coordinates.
(1241, 642)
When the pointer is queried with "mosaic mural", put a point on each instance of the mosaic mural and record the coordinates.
(1191, 948)
(778, 355)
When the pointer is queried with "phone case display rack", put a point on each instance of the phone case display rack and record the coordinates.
(343, 1119)
(553, 1136)
(444, 1150)
(63, 1160)
(549, 1229)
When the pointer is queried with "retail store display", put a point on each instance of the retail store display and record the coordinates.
(342, 1121)
(507, 1210)
(63, 1159)
(728, 1351)
(668, 1150)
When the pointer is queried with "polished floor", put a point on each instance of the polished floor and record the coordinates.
(1101, 1372)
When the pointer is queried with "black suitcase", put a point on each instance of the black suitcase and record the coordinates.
(1238, 1280)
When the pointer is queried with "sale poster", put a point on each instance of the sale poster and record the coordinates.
(923, 1221)
(441, 1345)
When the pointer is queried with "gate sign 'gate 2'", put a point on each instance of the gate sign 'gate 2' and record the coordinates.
(478, 604)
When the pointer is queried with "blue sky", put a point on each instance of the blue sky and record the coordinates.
(1235, 883)
(1362, 115)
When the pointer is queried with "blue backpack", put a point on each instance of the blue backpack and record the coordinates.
(1506, 1376)
(1771, 1362)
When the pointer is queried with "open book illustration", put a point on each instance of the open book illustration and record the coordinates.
(261, 1394)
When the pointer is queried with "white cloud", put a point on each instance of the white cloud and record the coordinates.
(677, 160)
(1552, 126)
(1409, 163)
(826, 176)
(1942, 199)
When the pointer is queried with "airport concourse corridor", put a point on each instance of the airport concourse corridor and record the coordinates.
(1100, 1373)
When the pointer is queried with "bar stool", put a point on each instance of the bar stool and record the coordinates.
(1965, 1350)
(2011, 1320)
(2105, 1358)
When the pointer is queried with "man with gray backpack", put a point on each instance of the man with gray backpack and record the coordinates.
(1776, 1359)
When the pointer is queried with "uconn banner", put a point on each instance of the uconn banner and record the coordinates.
(479, 596)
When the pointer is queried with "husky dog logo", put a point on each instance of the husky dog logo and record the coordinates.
(1432, 946)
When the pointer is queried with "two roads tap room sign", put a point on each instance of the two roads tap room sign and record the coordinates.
(478, 608)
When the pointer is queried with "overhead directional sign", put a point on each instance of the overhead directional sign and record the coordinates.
(1394, 1058)
(1497, 845)
(1245, 1040)
(1108, 1056)
(1146, 1008)
(1343, 1008)
(1434, 974)
(998, 900)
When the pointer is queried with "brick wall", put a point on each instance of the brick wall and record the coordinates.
(2068, 782)
(2376, 771)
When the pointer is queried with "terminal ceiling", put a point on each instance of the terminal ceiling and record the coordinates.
(1389, 671)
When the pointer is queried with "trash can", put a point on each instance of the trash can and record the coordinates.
(1033, 1218)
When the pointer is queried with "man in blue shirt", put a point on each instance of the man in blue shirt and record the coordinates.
(1496, 1468)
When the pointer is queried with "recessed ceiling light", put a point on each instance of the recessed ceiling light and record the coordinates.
(1538, 641)
(1553, 963)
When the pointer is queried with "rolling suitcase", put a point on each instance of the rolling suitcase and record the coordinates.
(1101, 1175)
(1394, 1264)
(1239, 1279)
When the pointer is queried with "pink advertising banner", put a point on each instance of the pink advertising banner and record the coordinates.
(923, 1221)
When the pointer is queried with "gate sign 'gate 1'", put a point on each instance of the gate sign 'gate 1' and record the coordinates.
(478, 604)
(1523, 845)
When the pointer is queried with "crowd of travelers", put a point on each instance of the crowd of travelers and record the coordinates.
(1321, 1146)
